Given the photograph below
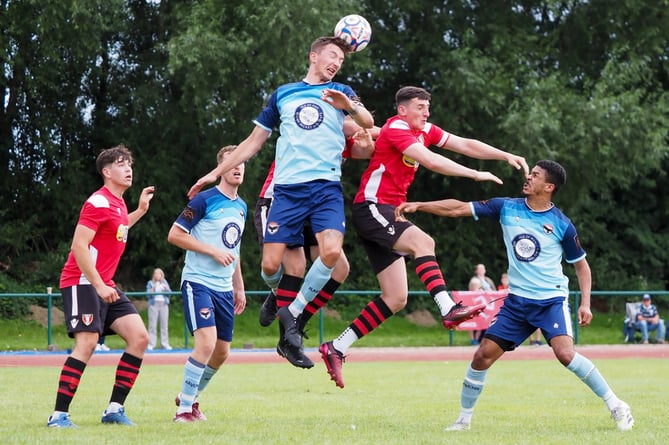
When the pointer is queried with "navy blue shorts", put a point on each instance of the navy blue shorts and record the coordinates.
(205, 307)
(319, 202)
(519, 317)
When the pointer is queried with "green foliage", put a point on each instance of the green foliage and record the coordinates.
(582, 82)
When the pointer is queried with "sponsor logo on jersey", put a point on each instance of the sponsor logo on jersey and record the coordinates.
(87, 319)
(122, 233)
(410, 162)
(188, 214)
(526, 247)
(309, 116)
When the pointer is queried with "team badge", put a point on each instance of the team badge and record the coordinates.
(232, 235)
(526, 247)
(309, 116)
(87, 319)
(548, 229)
(272, 228)
(205, 313)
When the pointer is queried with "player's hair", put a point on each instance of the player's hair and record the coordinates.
(555, 173)
(405, 94)
(221, 153)
(321, 42)
(111, 155)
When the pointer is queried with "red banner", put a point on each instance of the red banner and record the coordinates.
(493, 300)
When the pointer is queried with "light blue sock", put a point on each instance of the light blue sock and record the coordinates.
(588, 372)
(472, 387)
(206, 378)
(192, 375)
(318, 275)
(272, 280)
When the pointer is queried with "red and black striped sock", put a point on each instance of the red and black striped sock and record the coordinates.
(70, 376)
(429, 273)
(371, 317)
(288, 288)
(126, 374)
(321, 299)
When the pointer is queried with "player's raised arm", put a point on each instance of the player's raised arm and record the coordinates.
(245, 150)
(474, 148)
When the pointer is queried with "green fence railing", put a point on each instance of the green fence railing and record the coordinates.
(574, 297)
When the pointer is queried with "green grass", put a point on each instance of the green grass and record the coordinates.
(524, 402)
(18, 335)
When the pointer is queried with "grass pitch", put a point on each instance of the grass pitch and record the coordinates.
(524, 402)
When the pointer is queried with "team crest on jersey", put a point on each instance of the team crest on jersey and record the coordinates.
(309, 116)
(232, 235)
(526, 247)
(410, 162)
(205, 313)
(122, 233)
(548, 229)
(272, 228)
(87, 319)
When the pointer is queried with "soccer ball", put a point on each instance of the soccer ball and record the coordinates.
(355, 30)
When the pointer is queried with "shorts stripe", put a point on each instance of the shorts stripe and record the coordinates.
(75, 302)
(191, 305)
(378, 216)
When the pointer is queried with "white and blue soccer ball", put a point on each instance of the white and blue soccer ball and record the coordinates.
(355, 30)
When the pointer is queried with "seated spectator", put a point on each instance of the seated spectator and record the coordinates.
(648, 320)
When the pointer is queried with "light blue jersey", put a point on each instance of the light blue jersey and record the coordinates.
(311, 138)
(215, 219)
(535, 243)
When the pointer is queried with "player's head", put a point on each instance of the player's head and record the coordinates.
(413, 106)
(108, 157)
(555, 173)
(321, 43)
(234, 176)
(326, 57)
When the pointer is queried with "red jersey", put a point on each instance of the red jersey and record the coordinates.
(390, 173)
(107, 215)
(267, 190)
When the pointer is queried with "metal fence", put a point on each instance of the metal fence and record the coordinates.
(574, 300)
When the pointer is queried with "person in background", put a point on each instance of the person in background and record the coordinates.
(485, 284)
(159, 309)
(101, 346)
(648, 320)
(94, 305)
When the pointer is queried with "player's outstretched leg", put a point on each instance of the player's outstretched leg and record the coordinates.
(333, 362)
(460, 313)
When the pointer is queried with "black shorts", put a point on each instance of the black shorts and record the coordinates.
(85, 311)
(376, 226)
(260, 223)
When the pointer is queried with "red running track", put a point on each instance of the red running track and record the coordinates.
(453, 353)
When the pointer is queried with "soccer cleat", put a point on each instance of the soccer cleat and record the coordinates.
(62, 421)
(459, 426)
(294, 355)
(291, 331)
(118, 418)
(333, 361)
(460, 313)
(268, 310)
(185, 418)
(199, 415)
(622, 415)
